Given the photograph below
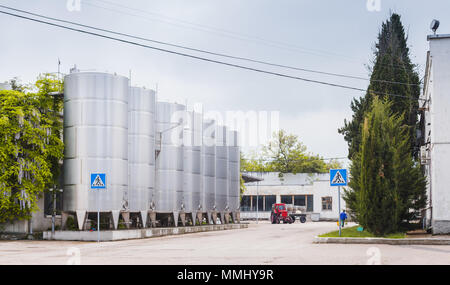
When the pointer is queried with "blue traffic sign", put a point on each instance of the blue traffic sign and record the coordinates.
(338, 177)
(98, 181)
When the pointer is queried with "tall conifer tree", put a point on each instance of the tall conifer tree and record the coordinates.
(387, 189)
(392, 63)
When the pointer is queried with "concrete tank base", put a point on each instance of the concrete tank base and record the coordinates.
(136, 233)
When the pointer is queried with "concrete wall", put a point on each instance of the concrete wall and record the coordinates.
(314, 184)
(437, 122)
(40, 222)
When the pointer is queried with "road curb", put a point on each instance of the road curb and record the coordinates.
(115, 235)
(391, 241)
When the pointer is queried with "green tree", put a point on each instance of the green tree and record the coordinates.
(30, 128)
(254, 163)
(241, 187)
(387, 188)
(285, 153)
(392, 63)
(288, 155)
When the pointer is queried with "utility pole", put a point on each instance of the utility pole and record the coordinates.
(53, 191)
(257, 201)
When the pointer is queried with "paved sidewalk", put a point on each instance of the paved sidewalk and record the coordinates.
(391, 241)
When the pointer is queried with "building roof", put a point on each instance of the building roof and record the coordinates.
(436, 37)
(274, 178)
(248, 178)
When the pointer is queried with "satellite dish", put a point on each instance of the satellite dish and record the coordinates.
(434, 26)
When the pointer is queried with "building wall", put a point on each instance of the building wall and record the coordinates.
(317, 185)
(5, 86)
(437, 122)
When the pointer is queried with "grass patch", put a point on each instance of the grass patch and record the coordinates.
(353, 232)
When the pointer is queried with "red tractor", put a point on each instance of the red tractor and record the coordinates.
(280, 214)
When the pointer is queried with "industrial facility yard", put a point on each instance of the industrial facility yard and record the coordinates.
(261, 243)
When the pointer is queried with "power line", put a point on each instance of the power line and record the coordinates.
(203, 51)
(184, 47)
(201, 58)
(228, 33)
(223, 32)
(293, 160)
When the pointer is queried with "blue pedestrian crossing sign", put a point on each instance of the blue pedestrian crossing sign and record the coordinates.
(338, 177)
(98, 180)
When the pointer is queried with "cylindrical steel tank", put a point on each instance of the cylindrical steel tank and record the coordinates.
(169, 163)
(234, 171)
(96, 140)
(141, 148)
(221, 169)
(207, 195)
(192, 161)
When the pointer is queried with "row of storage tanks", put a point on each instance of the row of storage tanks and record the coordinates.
(161, 161)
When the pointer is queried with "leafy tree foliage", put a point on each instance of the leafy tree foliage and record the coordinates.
(286, 154)
(392, 64)
(387, 189)
(31, 148)
(241, 187)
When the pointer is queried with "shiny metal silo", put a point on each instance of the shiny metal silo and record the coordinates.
(207, 195)
(141, 150)
(197, 171)
(192, 163)
(221, 171)
(96, 141)
(188, 161)
(234, 175)
(169, 162)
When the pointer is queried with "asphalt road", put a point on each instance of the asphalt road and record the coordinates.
(261, 243)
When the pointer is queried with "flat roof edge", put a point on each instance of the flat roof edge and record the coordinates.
(435, 37)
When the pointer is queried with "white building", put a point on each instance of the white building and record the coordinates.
(435, 154)
(310, 190)
(5, 86)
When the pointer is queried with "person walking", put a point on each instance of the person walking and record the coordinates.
(342, 218)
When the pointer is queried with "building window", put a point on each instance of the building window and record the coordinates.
(245, 203)
(310, 203)
(327, 203)
(286, 199)
(260, 202)
(299, 200)
(269, 201)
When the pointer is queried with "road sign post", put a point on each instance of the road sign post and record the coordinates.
(338, 177)
(339, 207)
(98, 181)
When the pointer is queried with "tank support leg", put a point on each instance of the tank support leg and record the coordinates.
(209, 218)
(234, 216)
(144, 218)
(222, 218)
(81, 218)
(153, 219)
(115, 218)
(200, 218)
(126, 219)
(183, 218)
(227, 218)
(194, 218)
(175, 218)
(214, 217)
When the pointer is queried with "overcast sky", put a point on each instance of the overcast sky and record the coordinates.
(332, 36)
